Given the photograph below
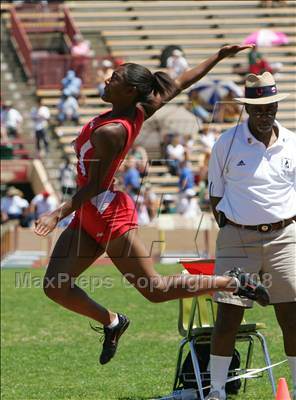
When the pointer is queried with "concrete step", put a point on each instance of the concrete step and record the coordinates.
(7, 76)
(4, 66)
(22, 259)
(53, 173)
(56, 184)
(97, 43)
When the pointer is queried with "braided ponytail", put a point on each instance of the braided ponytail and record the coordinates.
(146, 82)
(162, 83)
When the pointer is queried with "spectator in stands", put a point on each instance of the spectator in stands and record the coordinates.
(188, 143)
(257, 64)
(198, 107)
(3, 114)
(166, 53)
(176, 64)
(164, 142)
(40, 116)
(68, 108)
(81, 52)
(273, 3)
(187, 204)
(186, 176)
(151, 201)
(71, 84)
(244, 69)
(14, 207)
(175, 153)
(117, 61)
(168, 204)
(81, 47)
(143, 215)
(188, 207)
(20, 2)
(208, 137)
(228, 110)
(131, 177)
(42, 203)
(68, 178)
(13, 120)
(104, 73)
(141, 157)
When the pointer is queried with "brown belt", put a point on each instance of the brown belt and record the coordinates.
(265, 227)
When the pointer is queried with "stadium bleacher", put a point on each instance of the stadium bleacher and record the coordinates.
(138, 31)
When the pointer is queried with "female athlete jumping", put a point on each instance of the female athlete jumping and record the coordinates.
(106, 220)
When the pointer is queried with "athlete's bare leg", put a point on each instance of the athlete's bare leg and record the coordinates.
(74, 252)
(132, 259)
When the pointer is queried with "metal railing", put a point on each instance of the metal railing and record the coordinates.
(70, 28)
(48, 69)
(22, 41)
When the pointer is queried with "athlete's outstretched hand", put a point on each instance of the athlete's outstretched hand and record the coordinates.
(227, 51)
(46, 223)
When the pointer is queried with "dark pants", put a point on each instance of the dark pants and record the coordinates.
(12, 132)
(41, 136)
(23, 220)
(62, 117)
(68, 190)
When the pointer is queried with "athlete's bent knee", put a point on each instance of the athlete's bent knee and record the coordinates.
(50, 292)
(55, 287)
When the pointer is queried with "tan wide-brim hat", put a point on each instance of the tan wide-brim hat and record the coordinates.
(13, 191)
(261, 89)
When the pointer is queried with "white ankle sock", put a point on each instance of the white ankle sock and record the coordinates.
(113, 323)
(219, 366)
(292, 363)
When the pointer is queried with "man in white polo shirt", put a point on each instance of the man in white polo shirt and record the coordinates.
(252, 182)
(43, 203)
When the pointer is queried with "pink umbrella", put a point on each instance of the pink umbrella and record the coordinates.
(267, 38)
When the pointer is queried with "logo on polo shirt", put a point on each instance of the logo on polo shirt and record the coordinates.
(240, 164)
(286, 164)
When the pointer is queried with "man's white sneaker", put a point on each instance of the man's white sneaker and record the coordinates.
(215, 395)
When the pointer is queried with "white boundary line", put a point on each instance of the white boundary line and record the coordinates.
(245, 375)
(251, 373)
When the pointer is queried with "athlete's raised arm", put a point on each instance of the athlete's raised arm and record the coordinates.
(167, 91)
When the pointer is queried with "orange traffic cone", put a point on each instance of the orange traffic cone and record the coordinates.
(282, 390)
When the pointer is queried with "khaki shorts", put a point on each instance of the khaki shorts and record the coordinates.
(271, 256)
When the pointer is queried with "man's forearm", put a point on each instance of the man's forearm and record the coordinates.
(214, 203)
(195, 74)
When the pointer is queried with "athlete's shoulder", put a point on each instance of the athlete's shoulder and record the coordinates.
(111, 128)
(111, 135)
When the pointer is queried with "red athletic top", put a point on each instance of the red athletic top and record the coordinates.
(84, 148)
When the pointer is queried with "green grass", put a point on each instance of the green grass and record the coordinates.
(49, 353)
